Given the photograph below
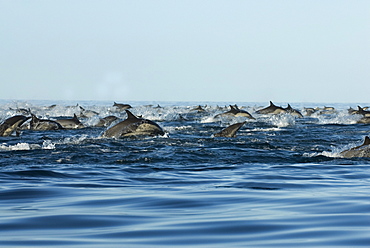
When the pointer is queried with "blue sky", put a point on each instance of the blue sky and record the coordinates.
(237, 51)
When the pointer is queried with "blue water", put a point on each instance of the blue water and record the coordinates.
(280, 183)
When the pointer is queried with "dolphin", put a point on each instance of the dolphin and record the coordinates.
(363, 112)
(12, 124)
(133, 126)
(22, 111)
(106, 121)
(326, 110)
(364, 120)
(85, 113)
(51, 106)
(235, 111)
(121, 106)
(293, 111)
(352, 111)
(73, 123)
(358, 151)
(309, 111)
(272, 109)
(147, 106)
(43, 125)
(199, 109)
(230, 131)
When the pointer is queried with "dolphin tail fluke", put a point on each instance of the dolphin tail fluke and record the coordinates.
(230, 131)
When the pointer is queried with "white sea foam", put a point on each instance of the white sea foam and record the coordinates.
(265, 129)
(48, 145)
(73, 140)
(282, 120)
(208, 119)
(339, 118)
(171, 129)
(328, 154)
(16, 147)
(334, 153)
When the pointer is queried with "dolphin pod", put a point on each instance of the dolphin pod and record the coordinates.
(136, 126)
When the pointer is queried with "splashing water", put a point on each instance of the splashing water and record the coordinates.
(280, 183)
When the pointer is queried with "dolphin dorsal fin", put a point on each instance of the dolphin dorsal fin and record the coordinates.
(366, 141)
(233, 107)
(131, 115)
(271, 104)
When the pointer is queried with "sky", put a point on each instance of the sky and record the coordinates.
(190, 50)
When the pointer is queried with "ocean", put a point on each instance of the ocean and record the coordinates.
(280, 183)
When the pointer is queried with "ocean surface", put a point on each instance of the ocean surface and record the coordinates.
(280, 183)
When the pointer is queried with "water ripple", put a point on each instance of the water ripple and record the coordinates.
(279, 183)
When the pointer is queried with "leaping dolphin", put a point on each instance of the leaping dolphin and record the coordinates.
(85, 113)
(363, 112)
(364, 120)
(235, 111)
(43, 125)
(272, 109)
(293, 111)
(358, 151)
(133, 126)
(309, 111)
(352, 111)
(106, 121)
(199, 109)
(326, 110)
(121, 106)
(230, 131)
(12, 124)
(73, 123)
(22, 111)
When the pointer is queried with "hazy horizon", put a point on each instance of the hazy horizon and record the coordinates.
(190, 51)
